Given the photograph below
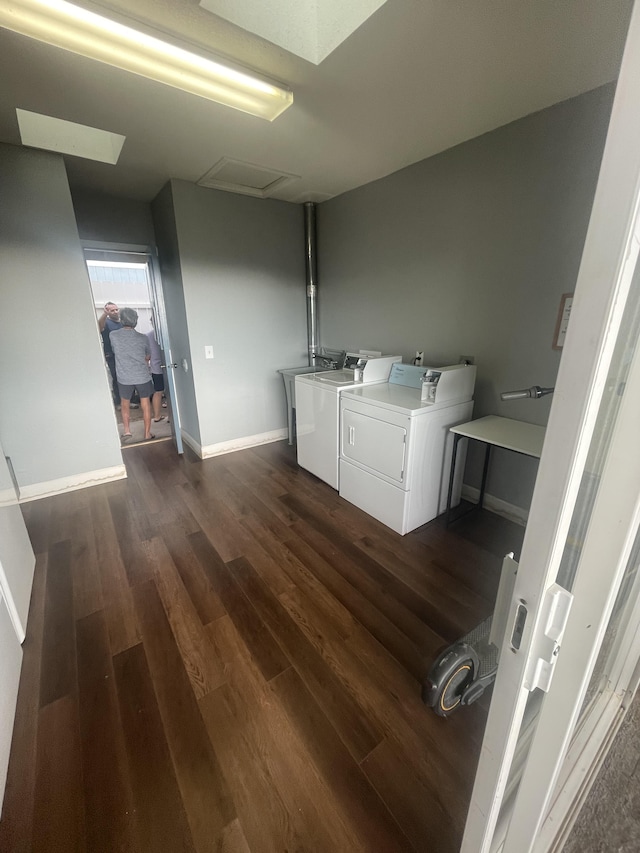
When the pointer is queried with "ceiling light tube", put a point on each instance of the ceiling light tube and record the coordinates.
(78, 30)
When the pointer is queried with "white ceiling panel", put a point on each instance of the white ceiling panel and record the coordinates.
(67, 137)
(311, 29)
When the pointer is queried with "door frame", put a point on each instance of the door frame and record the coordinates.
(608, 544)
(604, 280)
(156, 294)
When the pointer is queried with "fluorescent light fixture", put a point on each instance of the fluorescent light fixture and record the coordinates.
(67, 137)
(72, 28)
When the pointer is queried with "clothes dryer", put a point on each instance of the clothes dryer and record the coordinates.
(395, 449)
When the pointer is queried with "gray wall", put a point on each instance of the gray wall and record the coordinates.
(468, 253)
(108, 219)
(465, 253)
(242, 267)
(173, 291)
(56, 418)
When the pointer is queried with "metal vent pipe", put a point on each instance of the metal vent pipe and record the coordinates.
(312, 279)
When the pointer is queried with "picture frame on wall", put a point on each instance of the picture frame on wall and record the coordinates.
(562, 322)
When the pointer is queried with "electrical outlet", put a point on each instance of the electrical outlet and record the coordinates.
(208, 352)
(467, 359)
(419, 357)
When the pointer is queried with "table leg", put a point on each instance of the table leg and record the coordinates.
(454, 453)
(485, 471)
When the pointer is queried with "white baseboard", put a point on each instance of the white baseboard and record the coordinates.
(493, 504)
(244, 443)
(190, 440)
(71, 484)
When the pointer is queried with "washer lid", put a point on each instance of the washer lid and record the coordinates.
(337, 377)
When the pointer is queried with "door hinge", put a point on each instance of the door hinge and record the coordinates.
(546, 646)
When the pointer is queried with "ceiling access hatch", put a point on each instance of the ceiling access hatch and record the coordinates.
(247, 178)
(68, 137)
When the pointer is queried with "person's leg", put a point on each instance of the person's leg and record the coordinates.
(111, 362)
(145, 403)
(125, 395)
(158, 388)
(145, 392)
(124, 411)
(157, 406)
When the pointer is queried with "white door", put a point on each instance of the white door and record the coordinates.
(10, 663)
(17, 563)
(580, 544)
(17, 560)
(162, 336)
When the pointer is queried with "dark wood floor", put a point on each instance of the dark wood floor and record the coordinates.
(226, 656)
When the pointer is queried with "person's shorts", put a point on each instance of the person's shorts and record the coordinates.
(144, 390)
(158, 381)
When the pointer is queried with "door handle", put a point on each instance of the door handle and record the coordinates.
(352, 435)
(545, 647)
(174, 365)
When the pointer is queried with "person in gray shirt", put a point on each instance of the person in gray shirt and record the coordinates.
(132, 354)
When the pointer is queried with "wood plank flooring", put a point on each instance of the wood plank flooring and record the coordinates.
(226, 656)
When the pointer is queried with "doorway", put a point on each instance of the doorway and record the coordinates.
(126, 278)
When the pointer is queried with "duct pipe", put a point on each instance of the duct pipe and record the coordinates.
(312, 276)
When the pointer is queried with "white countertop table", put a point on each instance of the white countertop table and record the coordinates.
(493, 431)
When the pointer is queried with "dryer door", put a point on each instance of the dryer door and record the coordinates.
(377, 445)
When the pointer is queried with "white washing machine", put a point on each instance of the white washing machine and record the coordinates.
(318, 410)
(395, 448)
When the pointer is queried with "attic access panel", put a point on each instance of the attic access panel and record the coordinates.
(247, 178)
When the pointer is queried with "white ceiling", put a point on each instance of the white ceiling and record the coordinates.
(417, 77)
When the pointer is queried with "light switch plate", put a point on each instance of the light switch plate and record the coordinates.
(208, 352)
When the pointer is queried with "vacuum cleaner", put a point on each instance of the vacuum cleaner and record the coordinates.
(464, 670)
